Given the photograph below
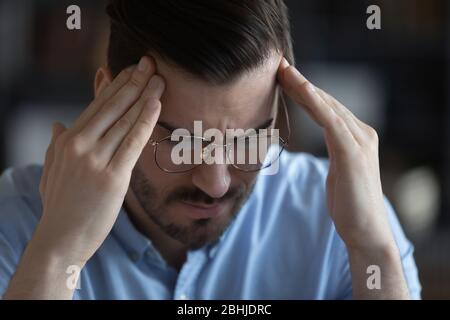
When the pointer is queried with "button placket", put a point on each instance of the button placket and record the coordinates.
(184, 288)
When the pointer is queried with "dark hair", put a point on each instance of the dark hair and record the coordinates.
(214, 40)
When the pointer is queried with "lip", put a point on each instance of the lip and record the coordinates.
(202, 211)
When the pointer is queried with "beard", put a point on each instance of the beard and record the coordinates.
(198, 232)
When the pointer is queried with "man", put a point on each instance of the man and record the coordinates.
(111, 202)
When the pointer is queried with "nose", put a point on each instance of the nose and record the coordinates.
(213, 179)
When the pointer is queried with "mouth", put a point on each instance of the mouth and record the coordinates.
(197, 210)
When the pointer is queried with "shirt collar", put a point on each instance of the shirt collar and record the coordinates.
(136, 244)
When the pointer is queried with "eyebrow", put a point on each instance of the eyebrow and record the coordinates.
(171, 128)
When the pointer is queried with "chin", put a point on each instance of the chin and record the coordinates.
(195, 233)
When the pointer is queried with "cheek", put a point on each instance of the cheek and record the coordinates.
(147, 159)
(244, 178)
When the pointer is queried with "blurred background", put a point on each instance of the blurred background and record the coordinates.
(396, 79)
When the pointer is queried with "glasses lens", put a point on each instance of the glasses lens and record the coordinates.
(253, 153)
(177, 156)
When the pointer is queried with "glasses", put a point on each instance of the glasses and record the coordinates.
(248, 153)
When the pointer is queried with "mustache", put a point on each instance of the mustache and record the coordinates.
(196, 195)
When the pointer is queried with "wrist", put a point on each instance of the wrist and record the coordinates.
(45, 272)
(375, 236)
(374, 251)
(57, 250)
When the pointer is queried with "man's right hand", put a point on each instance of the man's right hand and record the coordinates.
(88, 169)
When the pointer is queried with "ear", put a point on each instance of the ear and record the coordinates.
(103, 78)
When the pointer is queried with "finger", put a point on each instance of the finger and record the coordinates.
(284, 64)
(356, 127)
(57, 129)
(132, 145)
(114, 137)
(104, 96)
(301, 90)
(299, 100)
(320, 109)
(119, 103)
(345, 114)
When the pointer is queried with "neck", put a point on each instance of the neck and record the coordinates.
(170, 249)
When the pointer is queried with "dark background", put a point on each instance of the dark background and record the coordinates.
(396, 79)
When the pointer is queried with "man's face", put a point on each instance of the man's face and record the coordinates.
(195, 207)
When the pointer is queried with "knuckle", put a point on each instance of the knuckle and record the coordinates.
(125, 74)
(74, 146)
(338, 122)
(124, 123)
(135, 81)
(90, 161)
(131, 143)
(304, 86)
(373, 135)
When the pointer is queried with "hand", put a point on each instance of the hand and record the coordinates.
(88, 167)
(354, 194)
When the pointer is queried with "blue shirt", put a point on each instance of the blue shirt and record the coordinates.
(282, 245)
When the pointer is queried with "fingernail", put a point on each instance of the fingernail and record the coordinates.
(156, 86)
(144, 64)
(284, 63)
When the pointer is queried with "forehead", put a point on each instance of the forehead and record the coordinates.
(242, 103)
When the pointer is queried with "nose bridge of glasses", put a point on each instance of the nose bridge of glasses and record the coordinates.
(206, 152)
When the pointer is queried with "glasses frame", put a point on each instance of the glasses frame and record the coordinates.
(283, 142)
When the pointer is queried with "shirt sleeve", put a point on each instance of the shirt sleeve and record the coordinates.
(8, 263)
(19, 215)
(406, 250)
